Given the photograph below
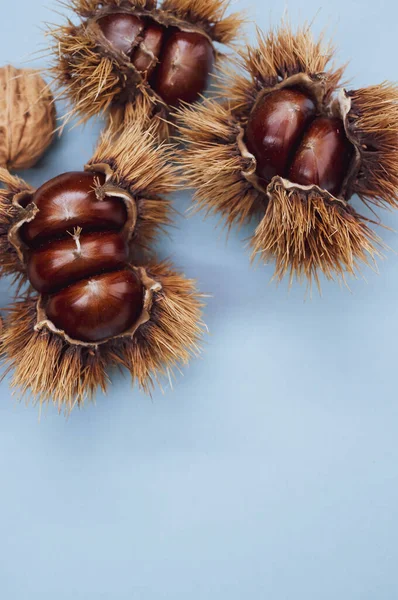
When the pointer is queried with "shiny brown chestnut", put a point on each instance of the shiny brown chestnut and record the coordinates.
(179, 62)
(323, 156)
(59, 263)
(275, 127)
(98, 308)
(146, 56)
(184, 70)
(121, 30)
(77, 256)
(288, 138)
(69, 201)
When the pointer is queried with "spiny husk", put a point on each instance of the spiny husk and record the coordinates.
(208, 14)
(10, 263)
(373, 124)
(86, 77)
(86, 8)
(46, 369)
(94, 78)
(143, 167)
(213, 164)
(144, 110)
(306, 233)
(278, 55)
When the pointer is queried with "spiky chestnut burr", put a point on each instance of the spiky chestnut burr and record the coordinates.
(137, 59)
(89, 305)
(289, 147)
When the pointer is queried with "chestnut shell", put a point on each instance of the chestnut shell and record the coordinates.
(68, 201)
(289, 138)
(177, 63)
(89, 292)
(98, 308)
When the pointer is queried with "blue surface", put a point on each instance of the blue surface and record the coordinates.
(270, 472)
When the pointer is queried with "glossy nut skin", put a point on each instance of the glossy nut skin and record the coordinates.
(275, 128)
(98, 308)
(58, 264)
(323, 156)
(121, 30)
(186, 62)
(146, 56)
(88, 290)
(69, 201)
(179, 62)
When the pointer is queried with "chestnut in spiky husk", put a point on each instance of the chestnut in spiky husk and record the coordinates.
(291, 148)
(89, 304)
(139, 59)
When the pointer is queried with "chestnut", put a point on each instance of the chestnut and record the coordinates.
(179, 61)
(184, 70)
(76, 257)
(69, 201)
(275, 127)
(121, 30)
(146, 56)
(288, 139)
(323, 156)
(97, 308)
(62, 262)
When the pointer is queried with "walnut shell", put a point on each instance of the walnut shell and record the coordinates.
(27, 117)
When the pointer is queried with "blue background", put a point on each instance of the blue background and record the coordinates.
(271, 470)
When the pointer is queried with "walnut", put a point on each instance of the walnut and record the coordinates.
(27, 117)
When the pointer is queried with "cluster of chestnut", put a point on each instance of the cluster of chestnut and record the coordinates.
(176, 63)
(289, 139)
(281, 141)
(77, 254)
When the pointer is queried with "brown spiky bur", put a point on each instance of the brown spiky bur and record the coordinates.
(285, 142)
(213, 163)
(214, 131)
(307, 232)
(89, 306)
(372, 123)
(139, 51)
(13, 186)
(47, 369)
(133, 165)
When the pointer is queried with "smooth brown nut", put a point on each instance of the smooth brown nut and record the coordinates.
(121, 30)
(323, 157)
(146, 56)
(275, 128)
(63, 262)
(98, 308)
(186, 62)
(69, 201)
